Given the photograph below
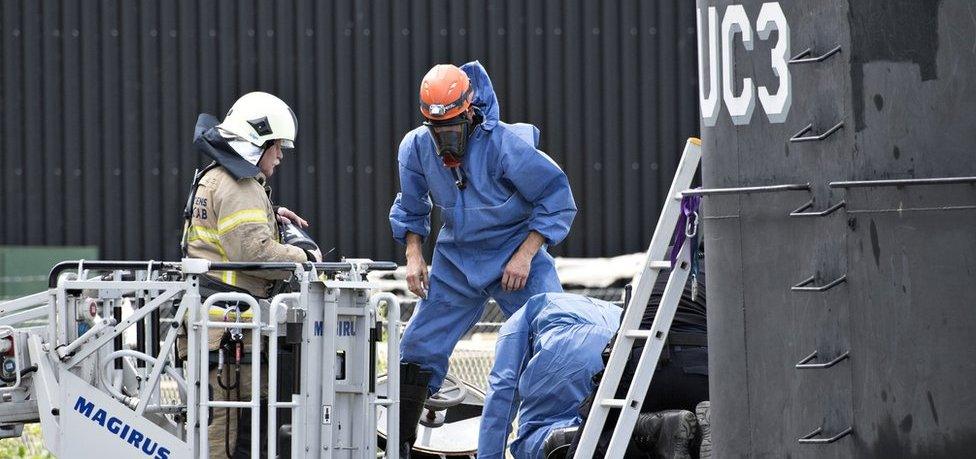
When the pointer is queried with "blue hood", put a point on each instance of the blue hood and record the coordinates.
(484, 94)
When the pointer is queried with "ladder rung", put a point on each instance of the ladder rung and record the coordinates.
(659, 265)
(613, 402)
(638, 334)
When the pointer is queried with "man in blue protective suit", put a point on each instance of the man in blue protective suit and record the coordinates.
(545, 359)
(502, 201)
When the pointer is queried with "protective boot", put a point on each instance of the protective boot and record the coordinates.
(413, 394)
(704, 414)
(666, 434)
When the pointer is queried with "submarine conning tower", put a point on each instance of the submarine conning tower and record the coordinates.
(839, 174)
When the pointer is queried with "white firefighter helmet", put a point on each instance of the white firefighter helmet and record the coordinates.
(258, 117)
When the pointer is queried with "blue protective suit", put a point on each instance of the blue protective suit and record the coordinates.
(545, 359)
(512, 188)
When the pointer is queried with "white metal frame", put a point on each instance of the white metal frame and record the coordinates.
(630, 330)
(201, 328)
(57, 349)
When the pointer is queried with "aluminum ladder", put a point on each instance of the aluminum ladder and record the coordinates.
(630, 330)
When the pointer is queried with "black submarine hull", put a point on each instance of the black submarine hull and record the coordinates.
(842, 316)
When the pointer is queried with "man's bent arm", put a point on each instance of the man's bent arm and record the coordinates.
(531, 245)
(541, 182)
(415, 245)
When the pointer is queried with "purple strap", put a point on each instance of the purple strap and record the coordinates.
(689, 210)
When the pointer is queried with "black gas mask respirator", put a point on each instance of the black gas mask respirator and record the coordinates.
(451, 138)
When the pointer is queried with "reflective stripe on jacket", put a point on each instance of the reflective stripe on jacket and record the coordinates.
(233, 220)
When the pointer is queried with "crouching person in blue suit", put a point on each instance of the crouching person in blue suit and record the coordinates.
(545, 359)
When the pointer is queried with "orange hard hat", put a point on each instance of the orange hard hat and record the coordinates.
(445, 92)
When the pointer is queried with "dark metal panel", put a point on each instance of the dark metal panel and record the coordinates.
(651, 199)
(325, 146)
(534, 70)
(821, 322)
(112, 243)
(766, 297)
(264, 25)
(607, 31)
(209, 64)
(34, 164)
(480, 32)
(687, 80)
(171, 134)
(403, 104)
(385, 137)
(633, 233)
(73, 199)
(912, 94)
(113, 172)
(457, 30)
(728, 360)
(904, 311)
(592, 210)
(513, 95)
(436, 33)
(911, 277)
(247, 36)
(133, 222)
(497, 63)
(344, 100)
(3, 76)
(3, 202)
(283, 35)
(778, 251)
(575, 164)
(13, 164)
(51, 102)
(554, 92)
(94, 171)
(184, 36)
(222, 34)
(783, 326)
(150, 132)
(668, 136)
(362, 114)
(304, 106)
(13, 195)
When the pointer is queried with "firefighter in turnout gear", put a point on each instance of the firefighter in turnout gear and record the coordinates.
(229, 217)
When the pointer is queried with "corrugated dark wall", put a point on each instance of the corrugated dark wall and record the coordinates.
(98, 102)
